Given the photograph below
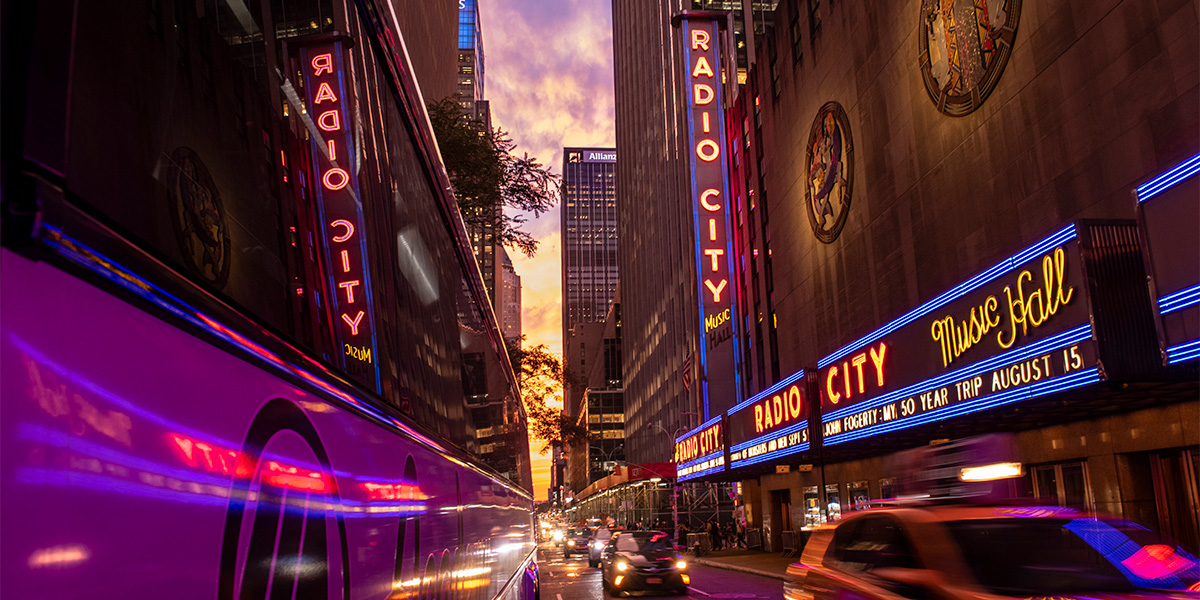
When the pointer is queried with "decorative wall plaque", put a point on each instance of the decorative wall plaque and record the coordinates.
(964, 45)
(198, 218)
(829, 158)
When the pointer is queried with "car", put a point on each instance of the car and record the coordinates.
(599, 540)
(975, 551)
(576, 541)
(637, 561)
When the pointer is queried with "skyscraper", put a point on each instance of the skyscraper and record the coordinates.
(470, 56)
(589, 254)
(656, 240)
(509, 301)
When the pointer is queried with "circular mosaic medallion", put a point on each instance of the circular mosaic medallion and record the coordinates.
(829, 158)
(198, 218)
(964, 45)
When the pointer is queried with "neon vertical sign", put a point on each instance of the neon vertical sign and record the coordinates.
(339, 209)
(720, 381)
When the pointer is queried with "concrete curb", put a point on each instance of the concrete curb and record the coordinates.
(724, 565)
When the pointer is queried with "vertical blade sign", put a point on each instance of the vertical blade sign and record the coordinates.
(716, 289)
(341, 227)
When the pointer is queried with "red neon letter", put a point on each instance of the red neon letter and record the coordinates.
(324, 93)
(878, 360)
(329, 115)
(699, 39)
(714, 253)
(332, 150)
(793, 400)
(833, 396)
(343, 179)
(858, 361)
(322, 62)
(712, 230)
(704, 196)
(353, 324)
(758, 418)
(347, 225)
(701, 93)
(702, 68)
(349, 287)
(846, 377)
(345, 261)
(704, 119)
(716, 289)
(713, 150)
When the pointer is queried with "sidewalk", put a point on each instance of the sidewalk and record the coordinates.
(755, 562)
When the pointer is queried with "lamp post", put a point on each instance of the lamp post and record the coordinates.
(675, 493)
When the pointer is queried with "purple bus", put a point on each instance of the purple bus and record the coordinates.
(245, 347)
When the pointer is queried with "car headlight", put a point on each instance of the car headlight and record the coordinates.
(558, 535)
(622, 566)
(598, 545)
(681, 565)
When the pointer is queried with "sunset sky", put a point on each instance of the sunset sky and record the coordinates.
(549, 78)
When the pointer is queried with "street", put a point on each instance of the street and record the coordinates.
(572, 579)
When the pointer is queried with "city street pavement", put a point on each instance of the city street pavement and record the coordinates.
(572, 579)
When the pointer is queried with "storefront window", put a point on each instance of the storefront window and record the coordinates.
(887, 488)
(856, 492)
(833, 502)
(812, 507)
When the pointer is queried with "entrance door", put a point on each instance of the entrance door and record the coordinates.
(1175, 495)
(781, 517)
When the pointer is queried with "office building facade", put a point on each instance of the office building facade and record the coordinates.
(590, 270)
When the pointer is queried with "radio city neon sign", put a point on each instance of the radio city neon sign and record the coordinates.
(856, 374)
(341, 218)
(783, 408)
(713, 247)
(702, 444)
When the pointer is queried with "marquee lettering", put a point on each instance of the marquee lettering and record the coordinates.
(1024, 310)
(852, 372)
(703, 443)
(783, 408)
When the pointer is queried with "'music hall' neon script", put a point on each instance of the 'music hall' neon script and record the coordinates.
(341, 217)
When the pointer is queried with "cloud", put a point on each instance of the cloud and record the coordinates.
(549, 76)
(548, 73)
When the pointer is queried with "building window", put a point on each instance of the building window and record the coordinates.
(1064, 483)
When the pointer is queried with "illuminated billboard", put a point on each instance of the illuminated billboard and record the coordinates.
(701, 451)
(770, 424)
(341, 227)
(1169, 218)
(1018, 330)
(718, 324)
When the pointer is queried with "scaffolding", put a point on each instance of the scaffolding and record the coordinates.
(648, 504)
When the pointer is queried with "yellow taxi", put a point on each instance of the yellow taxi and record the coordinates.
(928, 550)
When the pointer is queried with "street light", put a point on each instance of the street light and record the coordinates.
(675, 496)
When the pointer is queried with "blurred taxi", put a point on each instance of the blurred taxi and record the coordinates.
(576, 541)
(930, 550)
